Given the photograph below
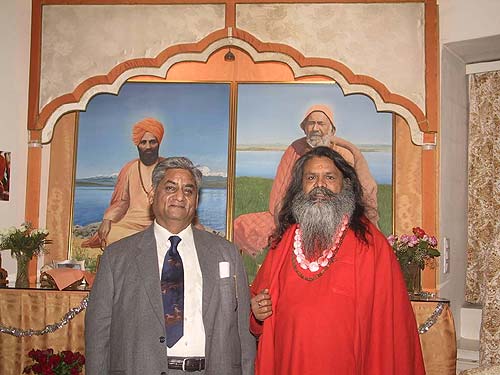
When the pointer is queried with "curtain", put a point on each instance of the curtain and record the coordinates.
(483, 249)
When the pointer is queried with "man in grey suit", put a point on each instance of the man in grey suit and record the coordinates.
(128, 327)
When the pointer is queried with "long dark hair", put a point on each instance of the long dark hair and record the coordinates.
(285, 217)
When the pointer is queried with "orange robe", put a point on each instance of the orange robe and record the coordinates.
(251, 231)
(354, 319)
(129, 209)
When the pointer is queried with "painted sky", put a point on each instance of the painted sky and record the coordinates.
(195, 116)
(271, 113)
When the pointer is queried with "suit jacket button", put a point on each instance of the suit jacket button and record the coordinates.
(162, 339)
(163, 373)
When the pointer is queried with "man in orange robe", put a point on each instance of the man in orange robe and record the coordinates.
(330, 297)
(129, 210)
(252, 231)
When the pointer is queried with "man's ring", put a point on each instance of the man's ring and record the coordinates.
(259, 303)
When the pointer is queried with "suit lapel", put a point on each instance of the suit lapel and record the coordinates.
(147, 263)
(208, 266)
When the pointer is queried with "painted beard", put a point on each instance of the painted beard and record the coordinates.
(315, 139)
(148, 157)
(320, 214)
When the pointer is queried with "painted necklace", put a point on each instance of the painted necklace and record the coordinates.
(140, 178)
(320, 265)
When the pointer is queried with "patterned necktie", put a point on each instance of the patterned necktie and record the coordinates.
(172, 290)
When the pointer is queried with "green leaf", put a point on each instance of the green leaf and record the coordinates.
(433, 253)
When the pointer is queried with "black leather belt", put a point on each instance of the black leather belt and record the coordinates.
(189, 364)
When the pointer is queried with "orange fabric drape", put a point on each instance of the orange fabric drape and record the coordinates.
(35, 309)
(438, 343)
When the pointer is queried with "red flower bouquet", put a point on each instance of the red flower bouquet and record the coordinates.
(48, 363)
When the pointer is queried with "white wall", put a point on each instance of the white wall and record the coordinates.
(465, 19)
(469, 32)
(453, 186)
(15, 26)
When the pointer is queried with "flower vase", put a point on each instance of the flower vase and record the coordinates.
(411, 275)
(22, 280)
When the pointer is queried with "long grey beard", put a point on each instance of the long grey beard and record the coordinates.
(320, 219)
(315, 140)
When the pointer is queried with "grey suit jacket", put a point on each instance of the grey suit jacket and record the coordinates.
(124, 319)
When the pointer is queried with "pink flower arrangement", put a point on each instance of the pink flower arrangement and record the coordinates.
(418, 248)
(48, 363)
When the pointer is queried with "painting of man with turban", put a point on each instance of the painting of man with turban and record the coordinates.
(129, 210)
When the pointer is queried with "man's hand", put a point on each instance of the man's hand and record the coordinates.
(261, 305)
(103, 231)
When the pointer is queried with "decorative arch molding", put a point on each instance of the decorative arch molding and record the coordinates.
(301, 66)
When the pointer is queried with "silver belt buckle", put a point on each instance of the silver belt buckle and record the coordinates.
(184, 364)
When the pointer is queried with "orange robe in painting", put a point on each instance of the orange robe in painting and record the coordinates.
(251, 231)
(356, 319)
(129, 209)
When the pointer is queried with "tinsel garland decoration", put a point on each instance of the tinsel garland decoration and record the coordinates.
(424, 327)
(18, 332)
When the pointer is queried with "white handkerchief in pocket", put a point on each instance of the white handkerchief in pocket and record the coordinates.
(223, 270)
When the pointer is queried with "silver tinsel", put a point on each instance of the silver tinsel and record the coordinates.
(18, 332)
(432, 319)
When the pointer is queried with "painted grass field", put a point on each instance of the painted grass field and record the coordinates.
(252, 195)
